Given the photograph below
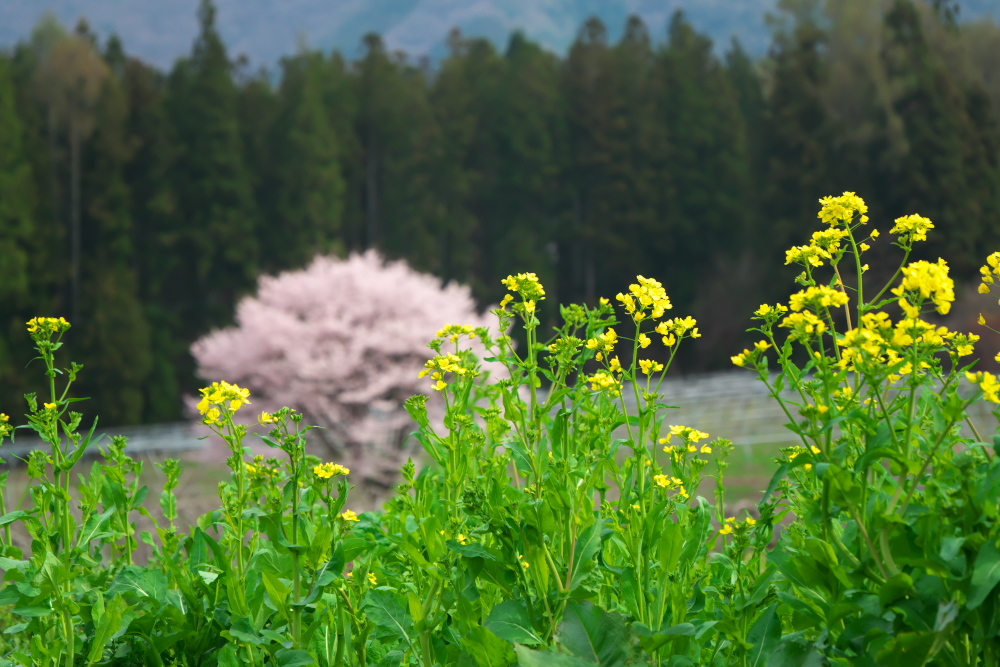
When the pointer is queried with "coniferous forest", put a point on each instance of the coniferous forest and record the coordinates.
(142, 204)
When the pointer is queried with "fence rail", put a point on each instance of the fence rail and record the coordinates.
(147, 439)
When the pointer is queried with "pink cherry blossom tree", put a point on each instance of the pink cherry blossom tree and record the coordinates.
(343, 342)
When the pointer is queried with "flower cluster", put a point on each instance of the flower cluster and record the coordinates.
(817, 297)
(42, 326)
(604, 343)
(441, 364)
(912, 228)
(840, 210)
(732, 524)
(257, 469)
(220, 397)
(677, 328)
(530, 289)
(690, 436)
(5, 427)
(328, 470)
(803, 325)
(931, 281)
(990, 272)
(605, 381)
(645, 298)
(751, 356)
(455, 331)
(665, 482)
(988, 383)
(648, 366)
(794, 452)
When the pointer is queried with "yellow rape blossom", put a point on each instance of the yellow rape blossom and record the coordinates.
(644, 341)
(818, 296)
(648, 366)
(840, 210)
(219, 397)
(525, 284)
(47, 325)
(988, 383)
(372, 579)
(349, 515)
(604, 381)
(328, 470)
(803, 325)
(912, 228)
(646, 295)
(931, 281)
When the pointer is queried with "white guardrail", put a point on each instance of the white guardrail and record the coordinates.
(730, 404)
(147, 439)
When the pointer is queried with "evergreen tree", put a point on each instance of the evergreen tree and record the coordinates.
(305, 159)
(520, 204)
(949, 171)
(795, 141)
(592, 105)
(214, 247)
(115, 333)
(398, 139)
(18, 210)
(154, 211)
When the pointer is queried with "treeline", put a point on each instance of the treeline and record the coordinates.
(142, 204)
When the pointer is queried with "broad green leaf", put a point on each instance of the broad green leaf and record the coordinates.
(670, 545)
(109, 624)
(509, 620)
(589, 632)
(907, 649)
(242, 629)
(985, 574)
(529, 658)
(294, 658)
(764, 635)
(387, 611)
(470, 550)
(11, 517)
(587, 545)
(276, 588)
(228, 658)
(487, 649)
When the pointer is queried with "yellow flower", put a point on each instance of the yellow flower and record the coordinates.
(525, 284)
(741, 358)
(751, 521)
(803, 325)
(267, 418)
(644, 340)
(912, 228)
(603, 381)
(646, 295)
(372, 579)
(840, 210)
(47, 325)
(648, 366)
(727, 529)
(616, 366)
(705, 449)
(222, 395)
(461, 538)
(864, 247)
(349, 515)
(931, 281)
(818, 296)
(328, 470)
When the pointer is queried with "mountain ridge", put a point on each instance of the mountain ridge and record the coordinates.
(266, 30)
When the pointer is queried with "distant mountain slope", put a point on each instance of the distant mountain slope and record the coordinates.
(160, 31)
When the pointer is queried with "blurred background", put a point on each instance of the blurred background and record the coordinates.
(156, 158)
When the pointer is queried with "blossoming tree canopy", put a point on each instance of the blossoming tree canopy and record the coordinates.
(343, 341)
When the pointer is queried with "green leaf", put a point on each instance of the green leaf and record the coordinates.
(242, 630)
(471, 550)
(907, 649)
(587, 545)
(509, 620)
(529, 658)
(487, 649)
(228, 657)
(276, 588)
(11, 517)
(589, 632)
(764, 635)
(109, 624)
(670, 546)
(386, 610)
(294, 658)
(985, 574)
